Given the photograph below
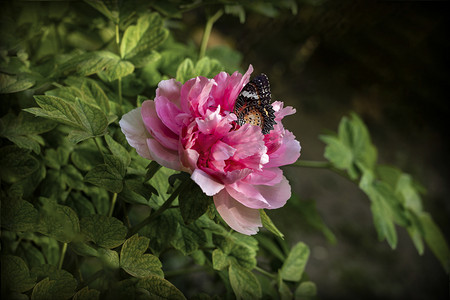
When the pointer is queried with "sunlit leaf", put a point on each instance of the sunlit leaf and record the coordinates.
(107, 232)
(135, 262)
(295, 263)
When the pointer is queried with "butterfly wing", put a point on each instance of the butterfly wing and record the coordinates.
(253, 104)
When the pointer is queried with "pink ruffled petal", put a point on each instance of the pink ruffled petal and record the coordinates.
(195, 95)
(169, 89)
(268, 176)
(167, 112)
(239, 217)
(261, 196)
(156, 127)
(165, 157)
(287, 153)
(135, 132)
(208, 185)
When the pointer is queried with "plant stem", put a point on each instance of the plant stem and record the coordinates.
(313, 164)
(119, 85)
(117, 35)
(98, 147)
(113, 203)
(207, 33)
(262, 271)
(61, 258)
(160, 210)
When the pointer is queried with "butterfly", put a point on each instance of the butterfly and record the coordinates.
(253, 104)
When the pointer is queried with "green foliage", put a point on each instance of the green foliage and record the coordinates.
(82, 217)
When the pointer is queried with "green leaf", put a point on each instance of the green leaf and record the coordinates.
(87, 89)
(118, 151)
(24, 130)
(188, 238)
(294, 265)
(351, 149)
(16, 163)
(15, 274)
(109, 258)
(108, 176)
(18, 215)
(207, 67)
(58, 221)
(56, 109)
(57, 284)
(193, 202)
(435, 240)
(185, 71)
(139, 39)
(305, 290)
(107, 232)
(220, 260)
(15, 83)
(109, 9)
(160, 288)
(137, 192)
(87, 294)
(93, 120)
(81, 205)
(244, 283)
(105, 62)
(268, 224)
(162, 231)
(135, 262)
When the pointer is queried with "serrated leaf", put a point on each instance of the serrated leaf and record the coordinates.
(139, 39)
(244, 283)
(268, 224)
(87, 294)
(294, 265)
(81, 205)
(220, 260)
(15, 83)
(56, 109)
(137, 192)
(193, 202)
(118, 151)
(107, 232)
(16, 163)
(18, 215)
(161, 231)
(188, 238)
(58, 221)
(106, 176)
(87, 89)
(105, 62)
(135, 262)
(160, 288)
(57, 284)
(15, 274)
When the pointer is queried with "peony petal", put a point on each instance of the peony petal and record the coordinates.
(165, 157)
(156, 127)
(170, 89)
(268, 176)
(260, 196)
(239, 217)
(287, 153)
(135, 132)
(168, 112)
(208, 185)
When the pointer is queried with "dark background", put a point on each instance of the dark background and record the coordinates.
(387, 61)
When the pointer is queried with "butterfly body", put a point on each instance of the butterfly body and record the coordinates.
(253, 104)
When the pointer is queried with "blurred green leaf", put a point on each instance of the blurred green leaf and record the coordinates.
(15, 83)
(18, 215)
(294, 265)
(16, 163)
(118, 151)
(15, 274)
(56, 283)
(107, 232)
(352, 148)
(269, 225)
(58, 221)
(109, 175)
(87, 294)
(135, 262)
(139, 39)
(435, 240)
(305, 290)
(160, 288)
(244, 283)
(185, 71)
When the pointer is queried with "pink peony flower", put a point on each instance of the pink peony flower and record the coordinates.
(191, 127)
